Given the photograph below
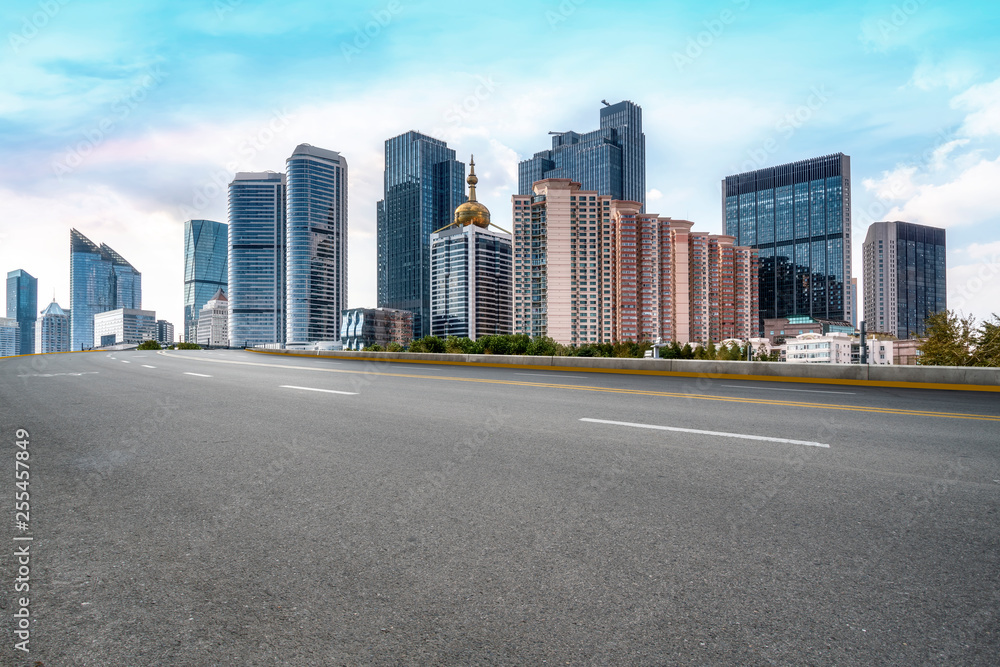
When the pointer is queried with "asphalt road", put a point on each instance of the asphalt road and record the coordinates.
(229, 508)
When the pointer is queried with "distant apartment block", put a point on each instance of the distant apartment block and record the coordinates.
(22, 305)
(206, 268)
(588, 268)
(814, 348)
(10, 337)
(257, 209)
(798, 217)
(100, 280)
(905, 277)
(213, 321)
(164, 332)
(364, 327)
(610, 161)
(52, 330)
(124, 326)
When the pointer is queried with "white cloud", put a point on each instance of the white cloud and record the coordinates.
(983, 104)
(653, 195)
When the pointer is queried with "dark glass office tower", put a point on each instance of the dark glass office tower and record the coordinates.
(798, 216)
(22, 305)
(206, 268)
(316, 251)
(99, 280)
(424, 184)
(256, 259)
(905, 273)
(610, 161)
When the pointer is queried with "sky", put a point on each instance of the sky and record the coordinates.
(123, 120)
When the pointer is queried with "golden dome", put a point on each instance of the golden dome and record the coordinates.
(472, 212)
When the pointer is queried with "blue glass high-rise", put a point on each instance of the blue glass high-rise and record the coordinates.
(257, 258)
(610, 160)
(424, 184)
(22, 305)
(316, 237)
(99, 280)
(798, 216)
(206, 268)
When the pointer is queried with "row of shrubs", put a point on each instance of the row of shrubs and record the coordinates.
(522, 344)
(154, 345)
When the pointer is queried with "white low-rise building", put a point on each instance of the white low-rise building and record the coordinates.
(814, 348)
(124, 326)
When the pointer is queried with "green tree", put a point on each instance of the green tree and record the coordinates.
(374, 347)
(149, 345)
(394, 347)
(188, 346)
(987, 352)
(950, 338)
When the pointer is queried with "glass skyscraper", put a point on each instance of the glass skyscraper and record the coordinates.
(316, 237)
(256, 258)
(610, 161)
(905, 274)
(22, 305)
(100, 280)
(206, 268)
(423, 187)
(798, 216)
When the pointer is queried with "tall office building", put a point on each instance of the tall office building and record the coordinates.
(471, 272)
(316, 245)
(423, 187)
(257, 258)
(206, 268)
(904, 270)
(52, 330)
(610, 161)
(798, 216)
(22, 305)
(100, 280)
(591, 269)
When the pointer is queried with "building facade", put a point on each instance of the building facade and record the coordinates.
(905, 281)
(22, 305)
(213, 321)
(164, 332)
(52, 330)
(610, 161)
(100, 280)
(471, 272)
(798, 217)
(588, 268)
(256, 263)
(10, 337)
(814, 348)
(206, 268)
(364, 327)
(316, 254)
(422, 189)
(124, 326)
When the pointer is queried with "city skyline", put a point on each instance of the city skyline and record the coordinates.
(110, 127)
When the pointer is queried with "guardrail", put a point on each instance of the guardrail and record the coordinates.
(932, 377)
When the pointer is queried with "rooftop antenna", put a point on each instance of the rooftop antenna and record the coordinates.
(605, 103)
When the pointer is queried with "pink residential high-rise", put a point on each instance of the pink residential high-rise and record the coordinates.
(591, 269)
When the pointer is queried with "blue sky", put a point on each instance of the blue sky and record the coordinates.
(125, 119)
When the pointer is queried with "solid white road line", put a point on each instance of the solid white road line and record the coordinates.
(147, 366)
(807, 391)
(553, 375)
(125, 362)
(716, 433)
(200, 375)
(325, 391)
